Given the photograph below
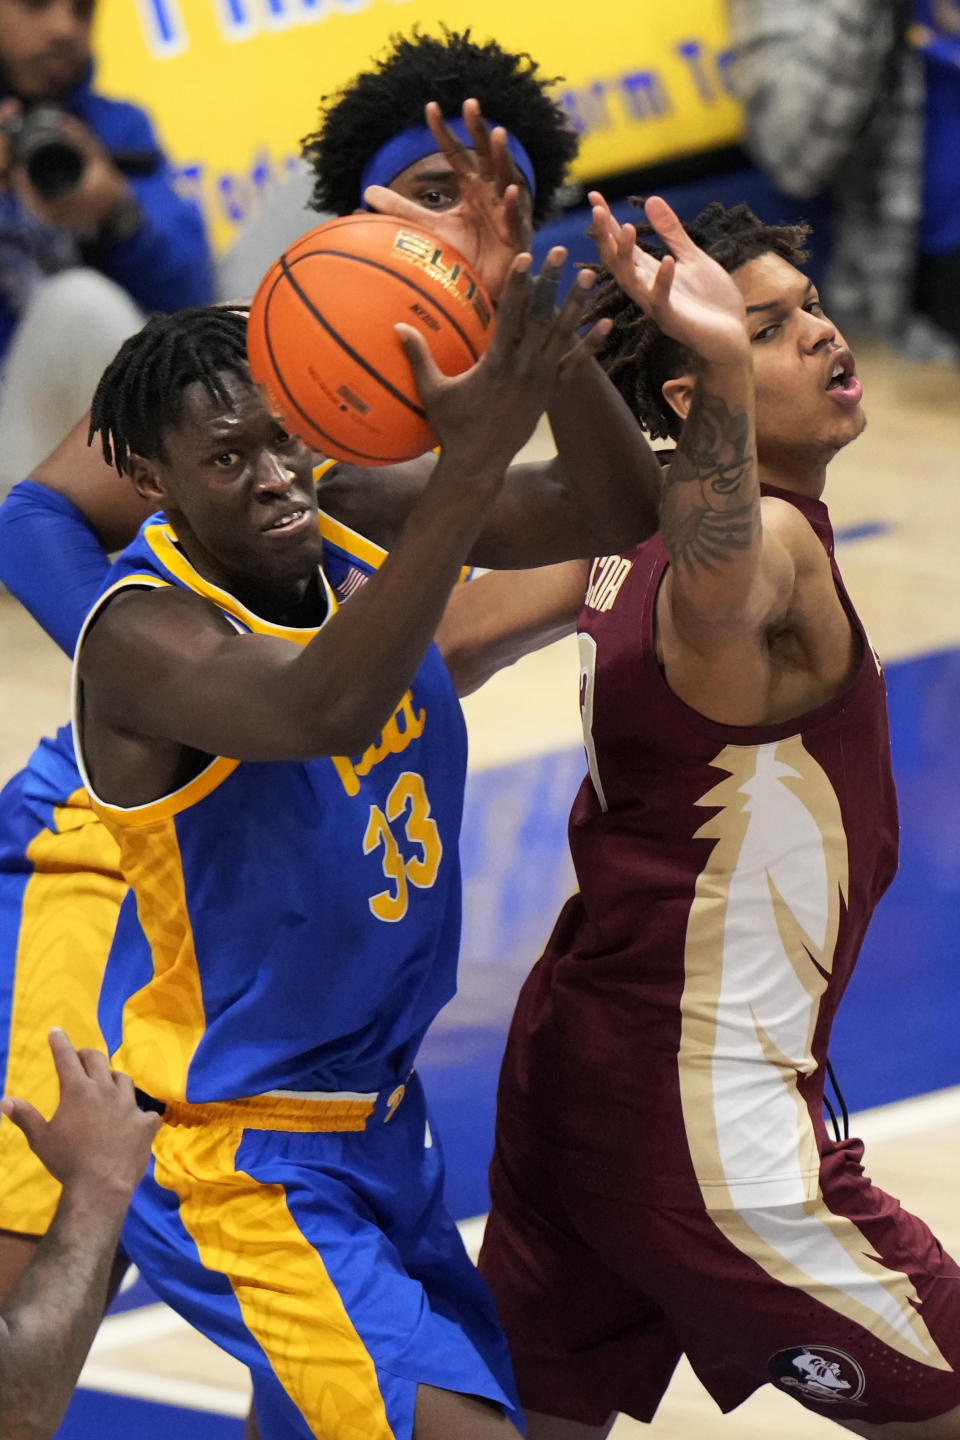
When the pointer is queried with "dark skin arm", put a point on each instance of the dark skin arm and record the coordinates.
(260, 698)
(498, 618)
(96, 1145)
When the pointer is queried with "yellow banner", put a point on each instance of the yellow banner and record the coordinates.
(233, 85)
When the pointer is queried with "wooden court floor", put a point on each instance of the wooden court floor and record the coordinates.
(896, 494)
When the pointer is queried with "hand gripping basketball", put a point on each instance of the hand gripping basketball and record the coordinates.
(320, 335)
(492, 408)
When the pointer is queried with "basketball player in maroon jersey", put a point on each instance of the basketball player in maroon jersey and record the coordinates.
(663, 1181)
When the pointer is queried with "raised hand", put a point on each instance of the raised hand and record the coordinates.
(491, 409)
(690, 296)
(97, 1134)
(490, 221)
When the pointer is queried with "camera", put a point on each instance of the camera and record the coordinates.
(53, 162)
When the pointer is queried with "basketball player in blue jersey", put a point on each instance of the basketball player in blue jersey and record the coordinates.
(299, 901)
(59, 883)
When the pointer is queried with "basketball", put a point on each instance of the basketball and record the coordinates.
(320, 335)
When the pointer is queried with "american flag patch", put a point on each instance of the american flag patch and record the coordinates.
(351, 583)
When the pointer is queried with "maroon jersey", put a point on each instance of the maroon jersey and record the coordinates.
(672, 1039)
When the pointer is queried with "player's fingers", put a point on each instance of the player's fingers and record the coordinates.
(25, 1117)
(505, 169)
(96, 1065)
(426, 373)
(603, 226)
(481, 138)
(122, 1084)
(663, 281)
(667, 224)
(388, 202)
(517, 218)
(66, 1060)
(514, 304)
(570, 311)
(546, 285)
(454, 150)
(592, 342)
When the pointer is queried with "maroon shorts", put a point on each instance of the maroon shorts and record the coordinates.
(849, 1305)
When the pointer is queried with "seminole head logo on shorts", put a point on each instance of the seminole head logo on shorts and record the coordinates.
(818, 1373)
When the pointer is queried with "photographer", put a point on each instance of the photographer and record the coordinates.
(91, 230)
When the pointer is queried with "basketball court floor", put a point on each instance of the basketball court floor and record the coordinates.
(895, 501)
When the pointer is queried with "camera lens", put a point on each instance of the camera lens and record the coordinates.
(55, 168)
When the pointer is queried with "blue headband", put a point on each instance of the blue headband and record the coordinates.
(417, 142)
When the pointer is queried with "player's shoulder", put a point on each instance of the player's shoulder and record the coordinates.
(152, 620)
(787, 524)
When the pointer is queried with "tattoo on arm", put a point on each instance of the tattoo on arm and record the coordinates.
(710, 502)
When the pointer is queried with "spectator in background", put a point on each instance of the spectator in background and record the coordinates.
(97, 1145)
(935, 34)
(834, 101)
(80, 259)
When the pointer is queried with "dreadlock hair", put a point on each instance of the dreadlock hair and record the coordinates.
(637, 355)
(140, 394)
(381, 102)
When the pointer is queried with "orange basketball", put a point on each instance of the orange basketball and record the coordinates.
(320, 335)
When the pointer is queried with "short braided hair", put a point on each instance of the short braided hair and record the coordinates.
(381, 102)
(637, 355)
(140, 394)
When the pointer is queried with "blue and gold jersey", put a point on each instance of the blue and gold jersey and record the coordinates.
(60, 891)
(302, 919)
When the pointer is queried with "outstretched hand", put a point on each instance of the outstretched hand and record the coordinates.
(490, 222)
(97, 1132)
(491, 409)
(688, 294)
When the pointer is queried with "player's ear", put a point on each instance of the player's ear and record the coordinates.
(146, 479)
(678, 394)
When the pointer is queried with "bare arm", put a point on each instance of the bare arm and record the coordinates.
(598, 496)
(809, 73)
(97, 1145)
(498, 618)
(255, 697)
(725, 575)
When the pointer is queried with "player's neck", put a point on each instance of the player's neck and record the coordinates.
(296, 601)
(802, 476)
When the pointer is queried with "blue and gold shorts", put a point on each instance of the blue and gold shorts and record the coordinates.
(311, 1241)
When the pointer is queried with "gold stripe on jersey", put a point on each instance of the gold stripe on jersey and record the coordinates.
(367, 551)
(244, 1230)
(164, 1021)
(118, 817)
(67, 918)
